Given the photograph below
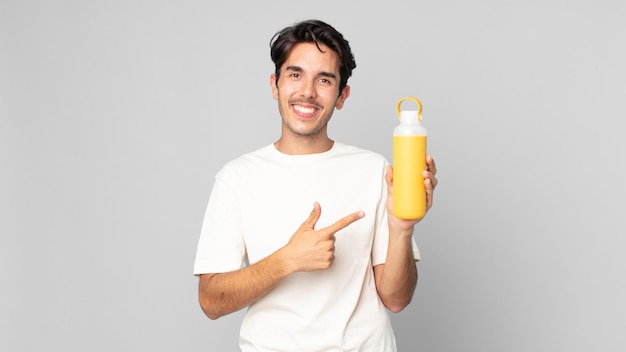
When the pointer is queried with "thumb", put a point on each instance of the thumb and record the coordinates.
(313, 217)
(389, 179)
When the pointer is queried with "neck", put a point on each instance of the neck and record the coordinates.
(301, 146)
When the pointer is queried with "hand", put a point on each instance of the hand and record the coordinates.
(310, 249)
(430, 182)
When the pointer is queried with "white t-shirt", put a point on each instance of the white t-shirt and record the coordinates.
(258, 201)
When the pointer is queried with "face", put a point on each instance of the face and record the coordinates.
(308, 90)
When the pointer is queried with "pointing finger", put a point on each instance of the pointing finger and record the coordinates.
(344, 222)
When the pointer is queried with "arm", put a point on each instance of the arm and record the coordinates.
(224, 293)
(397, 278)
(307, 250)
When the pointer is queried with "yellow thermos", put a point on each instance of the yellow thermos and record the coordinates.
(409, 160)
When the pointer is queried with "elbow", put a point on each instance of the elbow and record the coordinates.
(396, 301)
(210, 310)
(398, 305)
(395, 309)
(212, 315)
(209, 306)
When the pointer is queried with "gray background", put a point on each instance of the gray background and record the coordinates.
(115, 116)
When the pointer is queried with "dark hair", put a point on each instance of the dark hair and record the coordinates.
(313, 31)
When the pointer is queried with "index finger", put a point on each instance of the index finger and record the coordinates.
(343, 222)
(430, 162)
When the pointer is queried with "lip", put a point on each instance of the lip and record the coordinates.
(305, 110)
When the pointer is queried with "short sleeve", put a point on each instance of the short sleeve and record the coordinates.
(221, 247)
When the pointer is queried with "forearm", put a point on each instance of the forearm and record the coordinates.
(307, 250)
(224, 293)
(397, 278)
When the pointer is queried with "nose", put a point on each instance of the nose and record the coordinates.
(307, 90)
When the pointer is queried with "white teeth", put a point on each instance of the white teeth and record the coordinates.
(303, 109)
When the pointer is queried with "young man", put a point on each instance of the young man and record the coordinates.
(326, 283)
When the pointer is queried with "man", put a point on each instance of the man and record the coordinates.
(324, 284)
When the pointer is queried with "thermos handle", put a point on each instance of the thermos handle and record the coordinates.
(417, 101)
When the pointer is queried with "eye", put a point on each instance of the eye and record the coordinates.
(325, 81)
(294, 75)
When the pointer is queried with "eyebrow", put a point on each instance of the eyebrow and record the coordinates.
(299, 69)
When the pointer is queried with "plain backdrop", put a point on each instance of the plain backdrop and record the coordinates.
(116, 115)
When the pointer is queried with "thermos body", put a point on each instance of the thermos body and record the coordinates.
(409, 161)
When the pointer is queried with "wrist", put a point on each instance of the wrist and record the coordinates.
(401, 228)
(282, 261)
(406, 234)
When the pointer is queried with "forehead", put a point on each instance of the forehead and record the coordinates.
(308, 57)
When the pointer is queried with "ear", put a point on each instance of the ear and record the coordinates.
(342, 97)
(274, 86)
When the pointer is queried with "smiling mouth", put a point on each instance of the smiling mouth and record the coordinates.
(304, 110)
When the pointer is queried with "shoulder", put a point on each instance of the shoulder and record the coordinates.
(243, 164)
(359, 154)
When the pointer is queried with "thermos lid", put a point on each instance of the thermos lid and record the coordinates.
(409, 116)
